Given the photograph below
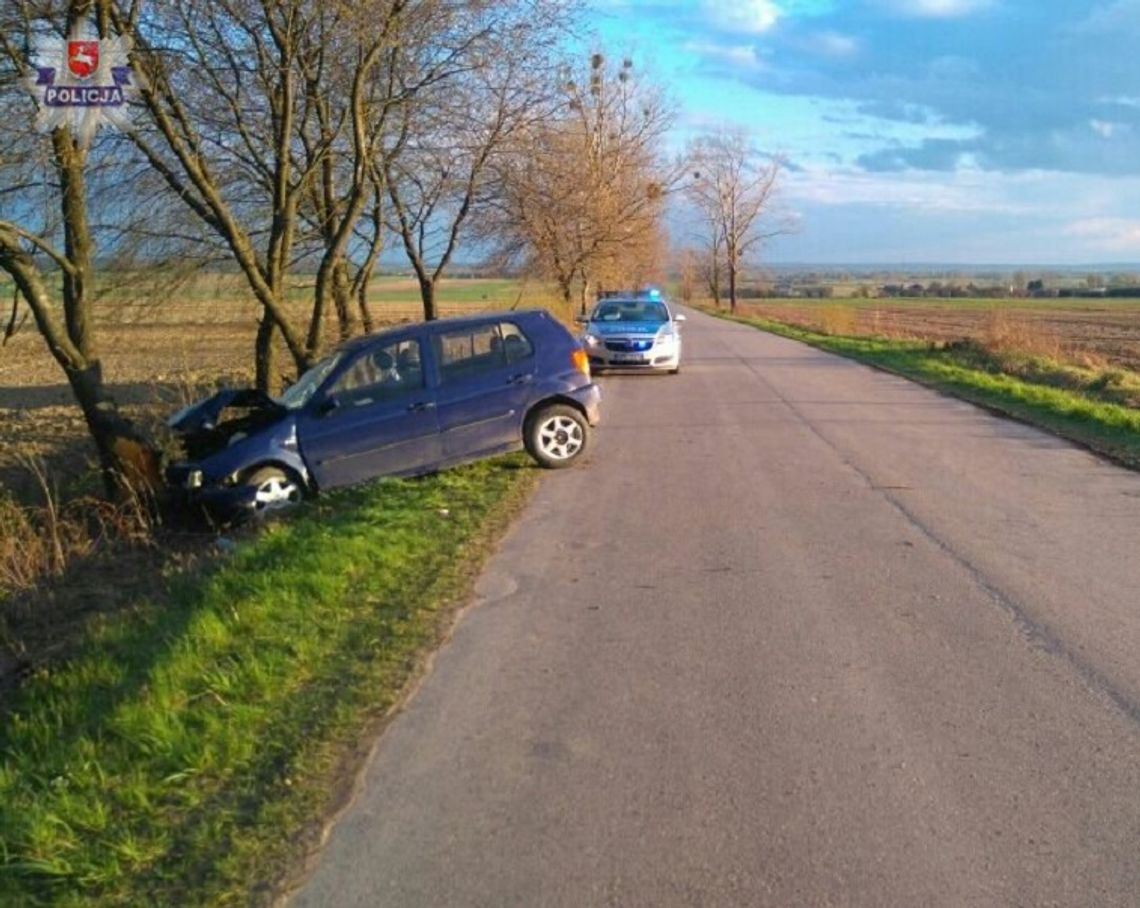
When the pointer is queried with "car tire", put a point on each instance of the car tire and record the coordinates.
(276, 490)
(556, 436)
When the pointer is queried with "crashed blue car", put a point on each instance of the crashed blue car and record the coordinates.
(411, 400)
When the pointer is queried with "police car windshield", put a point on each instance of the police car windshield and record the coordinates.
(630, 311)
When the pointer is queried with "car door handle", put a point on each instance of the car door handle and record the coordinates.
(421, 406)
(520, 379)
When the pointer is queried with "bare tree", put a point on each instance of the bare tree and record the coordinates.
(47, 241)
(712, 268)
(221, 90)
(583, 193)
(733, 190)
(503, 61)
(688, 269)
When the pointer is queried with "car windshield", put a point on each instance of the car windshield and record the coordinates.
(631, 311)
(301, 391)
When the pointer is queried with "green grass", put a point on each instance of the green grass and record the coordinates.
(181, 757)
(1085, 415)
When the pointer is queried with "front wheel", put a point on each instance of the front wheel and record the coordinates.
(556, 436)
(274, 490)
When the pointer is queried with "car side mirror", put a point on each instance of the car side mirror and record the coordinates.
(679, 318)
(328, 406)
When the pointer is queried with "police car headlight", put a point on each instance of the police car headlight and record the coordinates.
(590, 340)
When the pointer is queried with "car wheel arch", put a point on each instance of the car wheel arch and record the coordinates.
(301, 476)
(552, 400)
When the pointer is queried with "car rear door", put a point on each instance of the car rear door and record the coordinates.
(378, 418)
(485, 374)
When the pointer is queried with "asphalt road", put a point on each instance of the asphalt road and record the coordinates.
(798, 633)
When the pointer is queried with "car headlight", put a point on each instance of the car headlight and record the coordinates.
(590, 340)
(665, 337)
(194, 479)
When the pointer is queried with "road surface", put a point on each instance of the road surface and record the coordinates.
(798, 633)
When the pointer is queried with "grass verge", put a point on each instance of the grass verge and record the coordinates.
(184, 754)
(1086, 415)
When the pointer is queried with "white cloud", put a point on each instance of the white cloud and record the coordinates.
(1115, 18)
(1113, 234)
(937, 9)
(736, 56)
(834, 44)
(1107, 129)
(965, 191)
(749, 16)
(1120, 101)
(1074, 198)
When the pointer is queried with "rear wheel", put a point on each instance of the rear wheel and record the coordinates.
(556, 436)
(275, 489)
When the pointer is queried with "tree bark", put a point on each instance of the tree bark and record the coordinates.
(265, 358)
(129, 462)
(732, 286)
(427, 294)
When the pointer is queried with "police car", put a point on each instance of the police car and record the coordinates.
(633, 330)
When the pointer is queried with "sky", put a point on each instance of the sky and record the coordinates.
(916, 131)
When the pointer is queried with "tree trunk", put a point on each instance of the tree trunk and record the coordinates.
(732, 286)
(366, 320)
(363, 279)
(129, 461)
(332, 284)
(264, 354)
(342, 301)
(564, 285)
(713, 276)
(584, 294)
(427, 294)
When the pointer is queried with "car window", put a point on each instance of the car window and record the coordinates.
(630, 311)
(469, 352)
(516, 345)
(380, 374)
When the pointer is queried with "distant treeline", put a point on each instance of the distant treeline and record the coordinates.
(936, 290)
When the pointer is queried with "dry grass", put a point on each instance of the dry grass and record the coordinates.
(1004, 332)
(1087, 351)
(41, 540)
(837, 319)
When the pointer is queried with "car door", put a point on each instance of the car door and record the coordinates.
(485, 372)
(377, 418)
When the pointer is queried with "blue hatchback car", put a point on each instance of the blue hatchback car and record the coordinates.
(410, 400)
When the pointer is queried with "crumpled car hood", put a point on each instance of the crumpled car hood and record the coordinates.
(204, 415)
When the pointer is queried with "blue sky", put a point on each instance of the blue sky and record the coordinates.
(959, 131)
